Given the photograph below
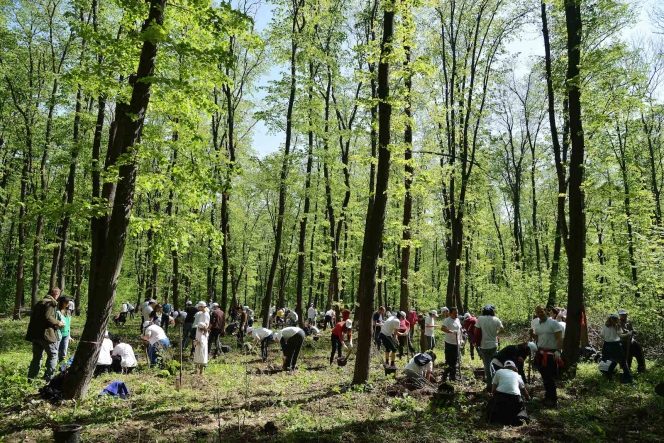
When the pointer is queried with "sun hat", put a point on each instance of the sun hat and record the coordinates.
(433, 312)
(622, 312)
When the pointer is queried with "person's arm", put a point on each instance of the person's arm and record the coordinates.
(51, 318)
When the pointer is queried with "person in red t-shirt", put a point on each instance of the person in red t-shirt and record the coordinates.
(341, 328)
(412, 319)
(404, 334)
(469, 323)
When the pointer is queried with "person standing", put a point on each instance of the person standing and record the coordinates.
(377, 322)
(330, 318)
(291, 339)
(452, 329)
(42, 332)
(63, 315)
(242, 326)
(188, 322)
(263, 335)
(312, 313)
(71, 306)
(549, 336)
(632, 347)
(411, 318)
(156, 338)
(614, 336)
(130, 309)
(146, 311)
(201, 344)
(429, 329)
(342, 328)
(388, 332)
(421, 322)
(216, 329)
(469, 323)
(489, 326)
(202, 316)
(404, 334)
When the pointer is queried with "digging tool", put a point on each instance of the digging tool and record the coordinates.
(459, 355)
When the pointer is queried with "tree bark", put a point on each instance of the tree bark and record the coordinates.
(373, 231)
(577, 220)
(130, 118)
(409, 171)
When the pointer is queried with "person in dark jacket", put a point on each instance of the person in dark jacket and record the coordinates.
(216, 329)
(191, 311)
(43, 335)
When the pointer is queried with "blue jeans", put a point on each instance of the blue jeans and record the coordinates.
(154, 349)
(63, 346)
(264, 344)
(487, 355)
(38, 348)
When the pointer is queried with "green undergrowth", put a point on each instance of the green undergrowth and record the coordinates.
(234, 402)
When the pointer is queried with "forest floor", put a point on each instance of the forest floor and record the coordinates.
(237, 397)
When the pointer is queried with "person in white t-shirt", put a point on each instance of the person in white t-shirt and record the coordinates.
(263, 335)
(420, 368)
(127, 358)
(508, 403)
(312, 313)
(330, 318)
(388, 333)
(146, 309)
(549, 334)
(293, 318)
(202, 316)
(612, 350)
(429, 329)
(491, 326)
(104, 359)
(452, 329)
(125, 307)
(291, 339)
(156, 338)
(71, 306)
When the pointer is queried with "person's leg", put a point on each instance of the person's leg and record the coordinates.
(63, 346)
(333, 342)
(51, 359)
(451, 360)
(487, 355)
(377, 338)
(264, 348)
(548, 373)
(299, 339)
(35, 364)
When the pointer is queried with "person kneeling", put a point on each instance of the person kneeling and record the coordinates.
(419, 369)
(508, 405)
(124, 359)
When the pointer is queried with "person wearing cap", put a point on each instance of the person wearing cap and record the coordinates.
(549, 336)
(444, 312)
(404, 334)
(613, 348)
(188, 322)
(340, 329)
(419, 369)
(263, 335)
(291, 339)
(509, 391)
(489, 327)
(125, 307)
(312, 313)
(293, 318)
(216, 328)
(633, 348)
(452, 329)
(469, 323)
(388, 333)
(201, 340)
(516, 353)
(330, 318)
(202, 316)
(104, 360)
(377, 322)
(429, 329)
(124, 355)
(156, 338)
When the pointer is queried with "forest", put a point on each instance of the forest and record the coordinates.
(405, 153)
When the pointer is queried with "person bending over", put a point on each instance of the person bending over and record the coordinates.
(340, 329)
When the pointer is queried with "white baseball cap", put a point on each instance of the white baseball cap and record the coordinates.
(444, 309)
(188, 302)
(250, 330)
(152, 300)
(434, 312)
(201, 304)
(146, 323)
(214, 305)
(349, 324)
(622, 312)
(509, 364)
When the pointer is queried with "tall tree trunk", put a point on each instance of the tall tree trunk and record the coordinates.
(373, 231)
(307, 202)
(170, 211)
(333, 286)
(130, 118)
(296, 28)
(409, 171)
(577, 218)
(20, 261)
